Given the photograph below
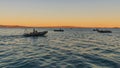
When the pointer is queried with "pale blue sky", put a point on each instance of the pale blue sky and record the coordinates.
(60, 9)
(75, 7)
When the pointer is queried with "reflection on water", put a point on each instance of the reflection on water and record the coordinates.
(76, 48)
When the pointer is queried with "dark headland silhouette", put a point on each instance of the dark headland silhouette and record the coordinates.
(18, 26)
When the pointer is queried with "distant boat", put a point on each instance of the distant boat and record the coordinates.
(102, 31)
(58, 30)
(35, 33)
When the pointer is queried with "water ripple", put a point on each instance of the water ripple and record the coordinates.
(76, 48)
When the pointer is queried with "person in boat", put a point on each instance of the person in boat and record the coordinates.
(34, 31)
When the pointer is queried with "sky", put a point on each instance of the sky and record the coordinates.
(80, 13)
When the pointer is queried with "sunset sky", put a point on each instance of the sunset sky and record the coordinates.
(80, 13)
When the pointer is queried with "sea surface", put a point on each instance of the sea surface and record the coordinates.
(73, 48)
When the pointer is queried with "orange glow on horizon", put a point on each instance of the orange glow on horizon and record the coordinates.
(82, 22)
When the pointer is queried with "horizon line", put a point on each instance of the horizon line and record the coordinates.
(20, 26)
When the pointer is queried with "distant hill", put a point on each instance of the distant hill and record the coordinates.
(17, 26)
(13, 26)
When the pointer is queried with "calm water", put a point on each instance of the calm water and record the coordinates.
(74, 48)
